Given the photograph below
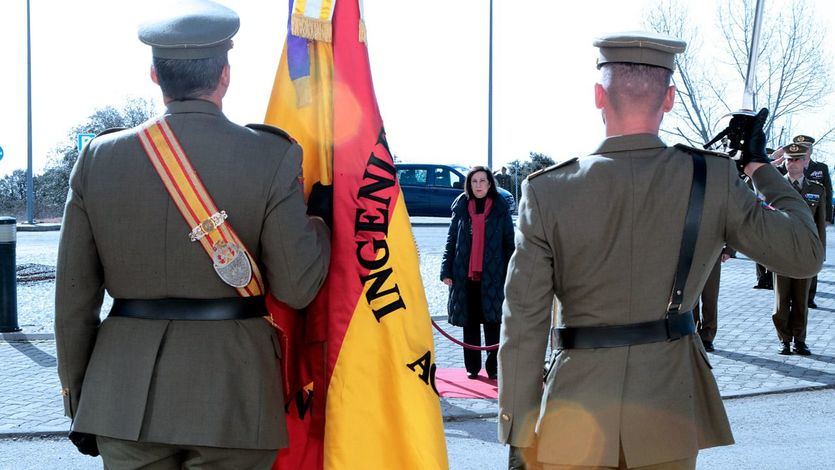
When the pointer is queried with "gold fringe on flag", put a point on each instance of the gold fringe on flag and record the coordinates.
(311, 28)
(363, 32)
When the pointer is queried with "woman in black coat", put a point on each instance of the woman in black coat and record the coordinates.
(481, 225)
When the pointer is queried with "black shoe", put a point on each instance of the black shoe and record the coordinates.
(760, 286)
(812, 304)
(472, 376)
(801, 348)
(787, 350)
(708, 345)
(492, 376)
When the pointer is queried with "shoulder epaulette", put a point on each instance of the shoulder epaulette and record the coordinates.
(110, 131)
(552, 167)
(688, 148)
(272, 130)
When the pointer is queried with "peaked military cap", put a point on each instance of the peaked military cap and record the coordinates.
(797, 149)
(190, 29)
(803, 139)
(639, 47)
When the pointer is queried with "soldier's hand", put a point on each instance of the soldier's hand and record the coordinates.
(320, 202)
(778, 157)
(447, 281)
(753, 139)
(85, 443)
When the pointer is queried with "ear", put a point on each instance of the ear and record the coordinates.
(225, 75)
(669, 98)
(601, 98)
(154, 77)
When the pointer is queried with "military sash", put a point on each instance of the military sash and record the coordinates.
(209, 226)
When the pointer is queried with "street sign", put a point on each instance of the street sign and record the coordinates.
(83, 139)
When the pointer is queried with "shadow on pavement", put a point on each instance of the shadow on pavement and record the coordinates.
(38, 356)
(783, 368)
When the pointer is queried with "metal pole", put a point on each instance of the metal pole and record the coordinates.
(490, 97)
(8, 281)
(30, 185)
(753, 56)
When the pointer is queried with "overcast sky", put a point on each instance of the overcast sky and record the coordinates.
(429, 63)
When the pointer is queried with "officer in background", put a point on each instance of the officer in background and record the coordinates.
(706, 310)
(816, 171)
(765, 278)
(184, 372)
(792, 293)
(502, 177)
(629, 384)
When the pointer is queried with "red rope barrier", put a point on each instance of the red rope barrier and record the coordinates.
(492, 347)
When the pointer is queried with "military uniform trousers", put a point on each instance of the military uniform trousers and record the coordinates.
(705, 312)
(765, 278)
(791, 297)
(119, 454)
(813, 289)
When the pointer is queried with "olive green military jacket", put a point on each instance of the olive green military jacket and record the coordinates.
(601, 236)
(209, 383)
(815, 194)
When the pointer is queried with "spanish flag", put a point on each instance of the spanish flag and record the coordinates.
(364, 394)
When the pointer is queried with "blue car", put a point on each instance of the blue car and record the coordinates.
(429, 188)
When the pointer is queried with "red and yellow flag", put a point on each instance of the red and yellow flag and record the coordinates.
(366, 395)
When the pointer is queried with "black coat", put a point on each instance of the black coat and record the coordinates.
(498, 247)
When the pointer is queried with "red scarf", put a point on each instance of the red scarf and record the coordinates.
(477, 251)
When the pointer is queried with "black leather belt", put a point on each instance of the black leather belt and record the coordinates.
(671, 328)
(230, 308)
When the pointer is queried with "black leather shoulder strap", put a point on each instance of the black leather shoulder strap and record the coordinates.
(691, 231)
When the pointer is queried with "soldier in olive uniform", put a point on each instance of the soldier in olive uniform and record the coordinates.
(815, 171)
(185, 372)
(631, 405)
(706, 310)
(791, 294)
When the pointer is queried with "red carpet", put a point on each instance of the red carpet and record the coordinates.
(453, 383)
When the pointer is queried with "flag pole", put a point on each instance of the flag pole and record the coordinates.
(490, 96)
(30, 187)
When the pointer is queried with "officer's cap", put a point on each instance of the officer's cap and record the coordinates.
(639, 47)
(803, 139)
(796, 149)
(190, 29)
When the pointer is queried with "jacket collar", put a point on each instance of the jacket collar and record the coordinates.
(631, 142)
(192, 106)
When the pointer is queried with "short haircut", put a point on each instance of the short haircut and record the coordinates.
(635, 85)
(491, 193)
(182, 79)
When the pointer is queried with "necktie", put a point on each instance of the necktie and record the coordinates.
(796, 185)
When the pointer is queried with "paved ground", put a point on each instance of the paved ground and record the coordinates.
(745, 362)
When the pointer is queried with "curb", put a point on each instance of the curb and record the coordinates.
(18, 337)
(38, 227)
(34, 434)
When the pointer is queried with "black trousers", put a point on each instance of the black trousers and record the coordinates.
(813, 289)
(472, 333)
(764, 276)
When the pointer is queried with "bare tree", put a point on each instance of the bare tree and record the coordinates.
(793, 73)
(700, 105)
